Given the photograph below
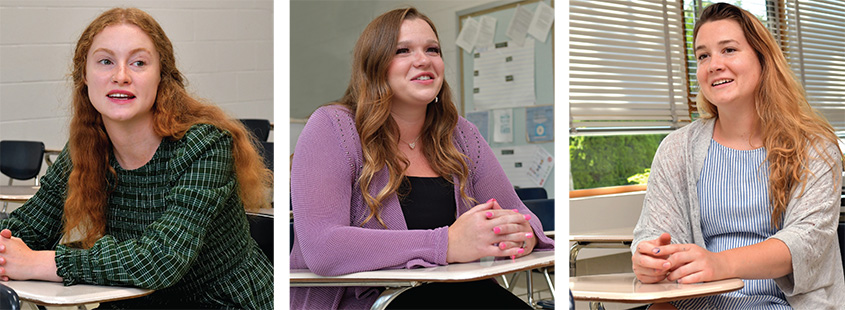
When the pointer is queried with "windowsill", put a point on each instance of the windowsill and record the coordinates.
(589, 192)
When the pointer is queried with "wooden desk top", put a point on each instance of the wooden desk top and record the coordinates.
(17, 193)
(409, 277)
(55, 294)
(625, 288)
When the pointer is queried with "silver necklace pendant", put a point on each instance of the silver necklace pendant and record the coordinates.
(412, 144)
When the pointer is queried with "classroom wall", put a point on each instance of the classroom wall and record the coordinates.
(322, 37)
(323, 34)
(590, 215)
(223, 47)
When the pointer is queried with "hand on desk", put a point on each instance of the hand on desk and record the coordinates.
(19, 262)
(489, 230)
(657, 259)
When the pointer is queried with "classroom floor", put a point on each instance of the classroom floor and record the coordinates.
(541, 289)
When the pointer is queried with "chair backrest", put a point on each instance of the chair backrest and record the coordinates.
(21, 160)
(544, 209)
(261, 229)
(267, 152)
(9, 298)
(259, 127)
(526, 193)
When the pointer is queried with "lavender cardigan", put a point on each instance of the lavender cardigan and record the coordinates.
(329, 208)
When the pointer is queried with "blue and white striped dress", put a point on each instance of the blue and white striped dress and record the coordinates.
(734, 198)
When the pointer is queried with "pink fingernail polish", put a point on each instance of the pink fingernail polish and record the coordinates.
(513, 258)
(515, 210)
(489, 214)
(502, 245)
(491, 199)
(520, 251)
(497, 230)
(527, 217)
(529, 235)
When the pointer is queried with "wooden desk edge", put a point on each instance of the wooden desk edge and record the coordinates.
(299, 282)
(76, 303)
(647, 299)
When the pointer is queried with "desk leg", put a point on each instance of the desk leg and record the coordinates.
(549, 281)
(388, 296)
(573, 255)
(505, 281)
(529, 281)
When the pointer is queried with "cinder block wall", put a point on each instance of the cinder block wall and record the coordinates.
(223, 47)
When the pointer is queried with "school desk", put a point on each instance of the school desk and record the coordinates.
(625, 288)
(611, 238)
(55, 294)
(400, 280)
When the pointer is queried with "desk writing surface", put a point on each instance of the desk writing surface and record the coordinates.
(449, 273)
(624, 234)
(625, 288)
(56, 294)
(17, 193)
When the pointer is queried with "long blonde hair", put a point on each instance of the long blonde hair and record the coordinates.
(788, 121)
(369, 96)
(174, 112)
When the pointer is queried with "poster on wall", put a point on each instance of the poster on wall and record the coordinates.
(503, 76)
(540, 123)
(480, 120)
(503, 126)
(526, 165)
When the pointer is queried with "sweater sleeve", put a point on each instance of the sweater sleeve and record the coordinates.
(490, 181)
(203, 180)
(323, 182)
(809, 227)
(666, 205)
(38, 222)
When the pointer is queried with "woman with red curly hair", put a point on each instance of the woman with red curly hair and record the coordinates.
(151, 188)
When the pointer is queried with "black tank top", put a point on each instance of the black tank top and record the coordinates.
(427, 203)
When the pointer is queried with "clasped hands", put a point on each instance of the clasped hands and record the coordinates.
(19, 262)
(656, 260)
(489, 230)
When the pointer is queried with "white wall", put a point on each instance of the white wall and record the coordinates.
(323, 34)
(223, 47)
(603, 214)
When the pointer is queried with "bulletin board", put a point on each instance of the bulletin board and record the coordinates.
(543, 102)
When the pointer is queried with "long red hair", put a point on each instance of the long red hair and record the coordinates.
(174, 110)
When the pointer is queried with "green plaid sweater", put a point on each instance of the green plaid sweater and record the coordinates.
(175, 225)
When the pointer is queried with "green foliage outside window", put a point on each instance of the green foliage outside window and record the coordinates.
(599, 161)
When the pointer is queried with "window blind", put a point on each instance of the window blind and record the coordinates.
(627, 66)
(815, 48)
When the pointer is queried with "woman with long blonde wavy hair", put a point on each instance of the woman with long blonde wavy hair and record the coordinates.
(151, 188)
(751, 190)
(390, 176)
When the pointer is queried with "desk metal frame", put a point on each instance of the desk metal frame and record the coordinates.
(595, 241)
